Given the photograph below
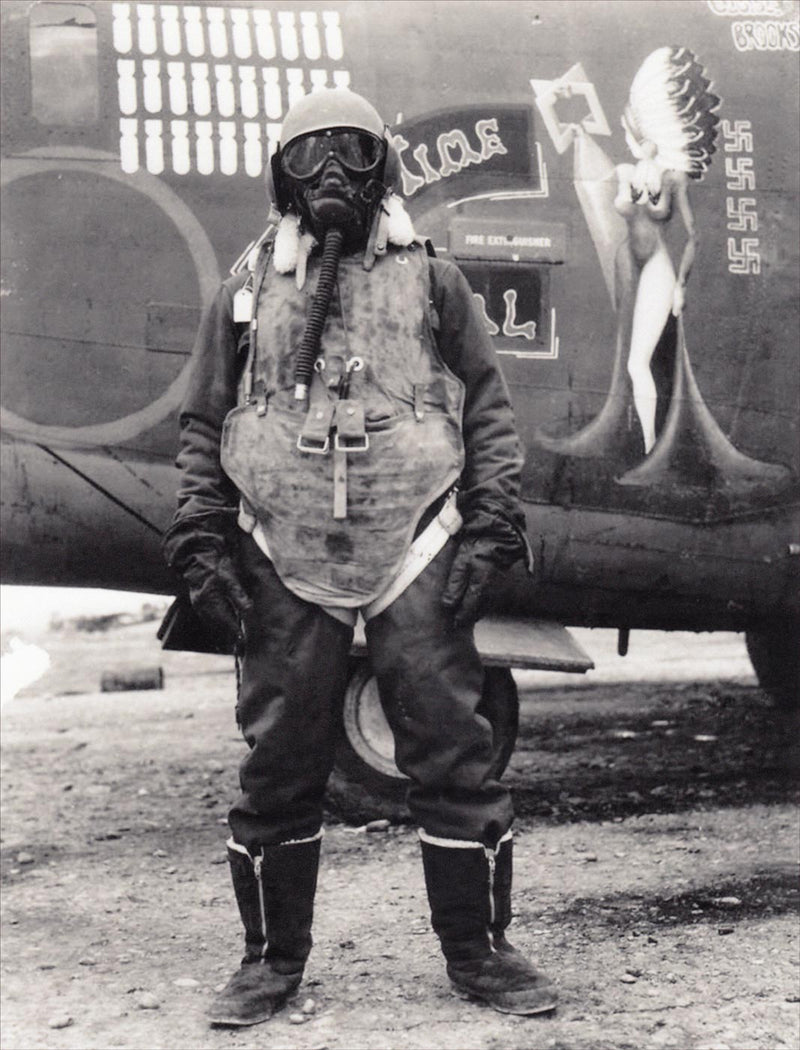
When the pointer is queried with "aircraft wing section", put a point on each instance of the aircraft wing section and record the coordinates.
(519, 641)
(523, 642)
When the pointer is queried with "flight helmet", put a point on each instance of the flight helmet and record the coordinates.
(339, 126)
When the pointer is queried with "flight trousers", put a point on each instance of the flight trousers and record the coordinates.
(293, 674)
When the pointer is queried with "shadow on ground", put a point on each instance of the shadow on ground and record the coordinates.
(614, 751)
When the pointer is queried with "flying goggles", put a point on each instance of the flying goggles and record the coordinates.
(357, 151)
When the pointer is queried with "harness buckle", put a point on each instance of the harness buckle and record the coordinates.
(351, 435)
(319, 447)
(315, 435)
(342, 443)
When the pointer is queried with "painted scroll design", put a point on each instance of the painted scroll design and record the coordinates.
(670, 125)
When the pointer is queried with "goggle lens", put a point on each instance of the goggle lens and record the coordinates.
(358, 151)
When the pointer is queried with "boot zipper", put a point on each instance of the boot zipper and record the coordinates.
(257, 862)
(492, 861)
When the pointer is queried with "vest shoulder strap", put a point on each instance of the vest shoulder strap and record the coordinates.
(249, 258)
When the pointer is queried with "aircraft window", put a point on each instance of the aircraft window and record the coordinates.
(63, 46)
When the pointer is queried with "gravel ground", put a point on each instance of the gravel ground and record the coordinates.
(656, 872)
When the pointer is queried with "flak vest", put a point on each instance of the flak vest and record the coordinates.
(338, 484)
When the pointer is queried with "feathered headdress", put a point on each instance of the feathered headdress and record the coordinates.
(671, 104)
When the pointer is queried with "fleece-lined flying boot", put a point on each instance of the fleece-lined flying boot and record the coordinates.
(469, 890)
(275, 893)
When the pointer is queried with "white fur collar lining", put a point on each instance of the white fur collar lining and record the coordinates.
(292, 248)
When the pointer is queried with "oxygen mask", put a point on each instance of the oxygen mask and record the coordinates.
(333, 178)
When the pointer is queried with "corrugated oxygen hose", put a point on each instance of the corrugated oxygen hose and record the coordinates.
(309, 347)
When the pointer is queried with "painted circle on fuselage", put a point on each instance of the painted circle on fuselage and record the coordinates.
(100, 301)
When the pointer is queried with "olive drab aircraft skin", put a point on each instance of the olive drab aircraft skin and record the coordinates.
(662, 452)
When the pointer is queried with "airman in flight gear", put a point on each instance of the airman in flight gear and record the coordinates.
(348, 445)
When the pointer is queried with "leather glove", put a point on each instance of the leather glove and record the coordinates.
(216, 592)
(470, 575)
(489, 544)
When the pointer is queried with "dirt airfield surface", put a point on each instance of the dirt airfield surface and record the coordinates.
(656, 868)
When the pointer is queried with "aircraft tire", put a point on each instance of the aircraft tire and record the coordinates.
(774, 652)
(365, 784)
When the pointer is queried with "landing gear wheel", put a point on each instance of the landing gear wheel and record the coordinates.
(366, 784)
(774, 652)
